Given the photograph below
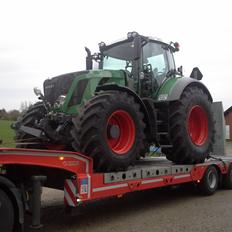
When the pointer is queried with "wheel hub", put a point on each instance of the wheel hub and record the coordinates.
(113, 131)
(120, 132)
(198, 125)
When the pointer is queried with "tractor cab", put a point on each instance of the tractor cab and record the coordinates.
(147, 61)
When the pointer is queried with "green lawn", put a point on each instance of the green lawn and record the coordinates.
(6, 134)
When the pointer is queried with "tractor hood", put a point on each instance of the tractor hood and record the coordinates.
(59, 85)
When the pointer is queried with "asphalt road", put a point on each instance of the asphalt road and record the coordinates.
(180, 209)
(173, 210)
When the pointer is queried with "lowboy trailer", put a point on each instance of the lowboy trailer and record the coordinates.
(24, 171)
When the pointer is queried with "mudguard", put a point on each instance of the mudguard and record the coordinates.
(14, 192)
(174, 87)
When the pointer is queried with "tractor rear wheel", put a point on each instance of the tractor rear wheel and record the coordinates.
(110, 129)
(191, 127)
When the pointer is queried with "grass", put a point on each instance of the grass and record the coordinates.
(6, 134)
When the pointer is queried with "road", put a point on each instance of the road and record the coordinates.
(180, 209)
(173, 210)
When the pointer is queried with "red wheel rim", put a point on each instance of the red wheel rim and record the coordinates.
(122, 138)
(198, 125)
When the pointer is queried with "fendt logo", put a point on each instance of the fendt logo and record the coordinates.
(49, 86)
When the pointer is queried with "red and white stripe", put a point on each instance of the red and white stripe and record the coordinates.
(70, 193)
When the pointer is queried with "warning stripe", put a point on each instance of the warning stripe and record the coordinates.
(70, 193)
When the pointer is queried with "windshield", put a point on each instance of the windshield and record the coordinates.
(113, 63)
(119, 56)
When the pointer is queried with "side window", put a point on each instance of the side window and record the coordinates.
(155, 55)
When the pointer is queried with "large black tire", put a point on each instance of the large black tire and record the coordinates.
(110, 129)
(35, 113)
(6, 213)
(191, 126)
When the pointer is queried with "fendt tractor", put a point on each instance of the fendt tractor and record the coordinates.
(136, 98)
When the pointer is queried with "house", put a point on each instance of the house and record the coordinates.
(228, 119)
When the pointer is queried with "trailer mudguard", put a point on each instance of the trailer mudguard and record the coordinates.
(9, 186)
(172, 89)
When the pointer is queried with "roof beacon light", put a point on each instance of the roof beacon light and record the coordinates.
(177, 46)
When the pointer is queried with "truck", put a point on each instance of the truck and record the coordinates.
(90, 133)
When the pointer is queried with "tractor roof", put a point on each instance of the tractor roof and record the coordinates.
(131, 35)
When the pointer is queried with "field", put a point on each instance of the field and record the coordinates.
(6, 134)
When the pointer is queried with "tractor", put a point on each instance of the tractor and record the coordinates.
(135, 98)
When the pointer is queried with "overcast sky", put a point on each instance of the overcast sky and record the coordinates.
(41, 39)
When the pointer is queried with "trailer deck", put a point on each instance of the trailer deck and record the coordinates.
(23, 171)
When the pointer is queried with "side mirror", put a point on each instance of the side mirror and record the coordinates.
(137, 47)
(180, 70)
(196, 74)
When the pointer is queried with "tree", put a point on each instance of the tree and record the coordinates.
(13, 115)
(25, 106)
(3, 114)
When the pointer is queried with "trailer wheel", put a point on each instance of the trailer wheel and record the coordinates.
(227, 179)
(6, 213)
(209, 183)
(110, 129)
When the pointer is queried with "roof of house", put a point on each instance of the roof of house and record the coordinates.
(228, 110)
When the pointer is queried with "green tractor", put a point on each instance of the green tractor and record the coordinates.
(134, 99)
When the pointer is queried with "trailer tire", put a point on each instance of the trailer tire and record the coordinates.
(6, 213)
(209, 183)
(227, 179)
(191, 126)
(110, 129)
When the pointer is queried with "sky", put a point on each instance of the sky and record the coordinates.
(41, 39)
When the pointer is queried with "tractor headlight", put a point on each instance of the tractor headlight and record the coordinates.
(60, 100)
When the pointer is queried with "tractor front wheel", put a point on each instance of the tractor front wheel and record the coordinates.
(110, 129)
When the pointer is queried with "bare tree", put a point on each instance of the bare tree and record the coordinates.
(25, 105)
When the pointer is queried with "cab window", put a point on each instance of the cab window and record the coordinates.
(155, 55)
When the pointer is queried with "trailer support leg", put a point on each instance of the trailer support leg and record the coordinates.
(36, 200)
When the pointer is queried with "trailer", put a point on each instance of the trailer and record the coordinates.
(24, 171)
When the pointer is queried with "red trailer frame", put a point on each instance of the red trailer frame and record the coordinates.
(73, 172)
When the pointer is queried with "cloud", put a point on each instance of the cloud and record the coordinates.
(41, 39)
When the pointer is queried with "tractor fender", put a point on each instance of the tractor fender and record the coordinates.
(179, 86)
(144, 109)
(15, 196)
